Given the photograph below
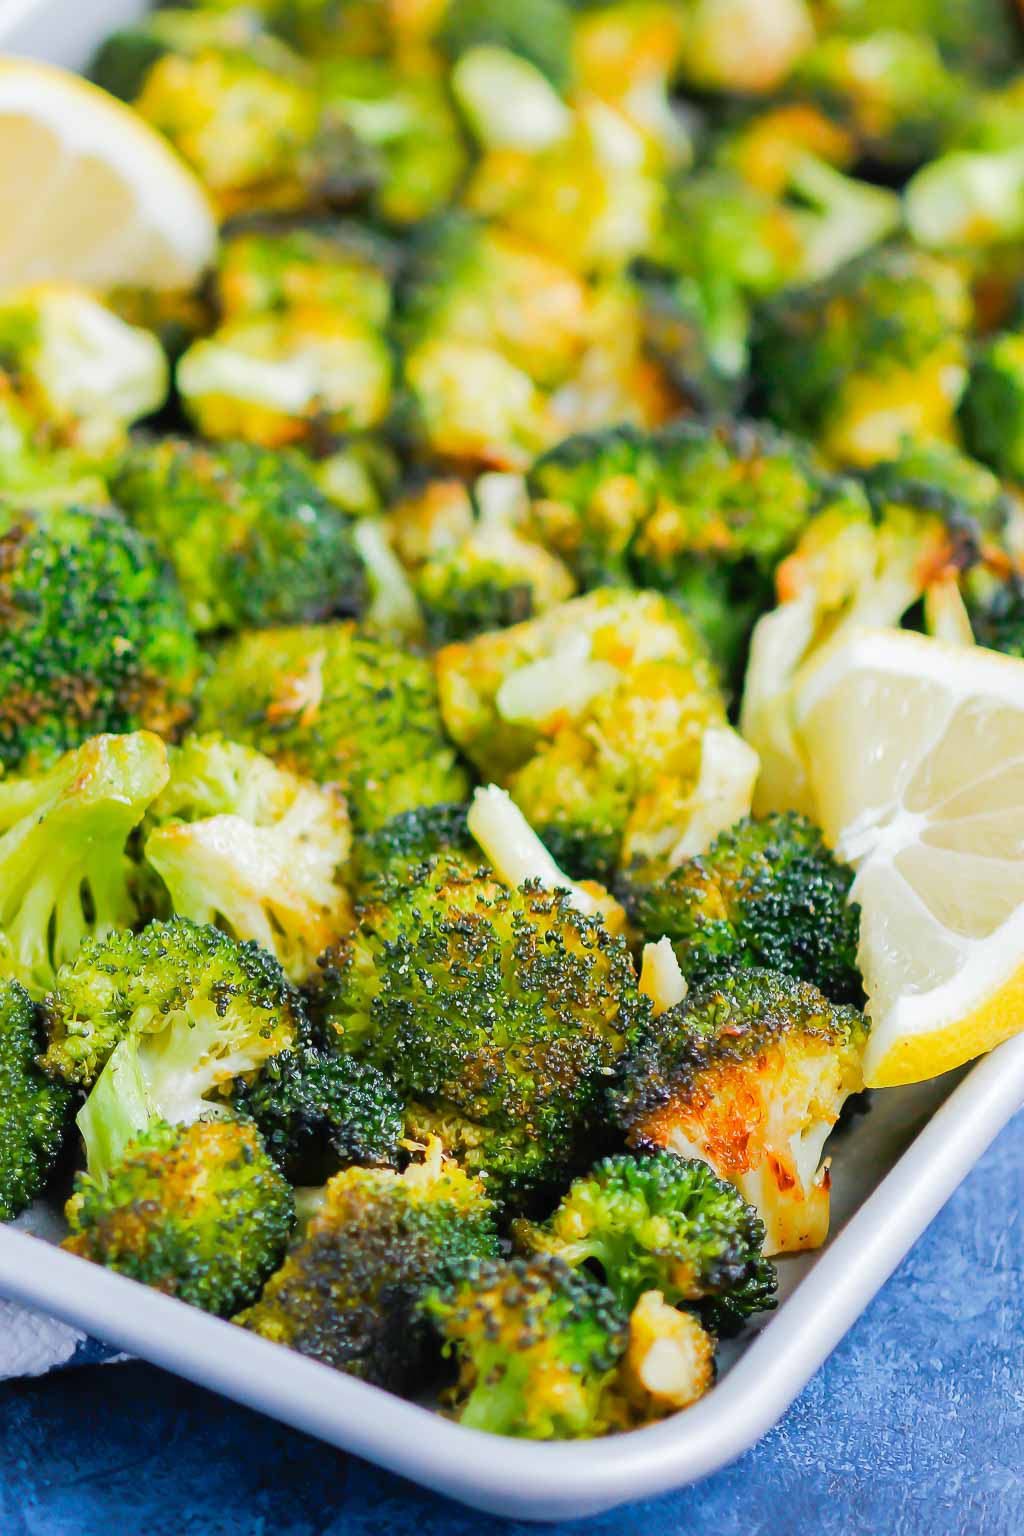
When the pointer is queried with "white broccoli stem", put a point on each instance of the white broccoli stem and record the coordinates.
(394, 604)
(660, 977)
(516, 851)
(725, 788)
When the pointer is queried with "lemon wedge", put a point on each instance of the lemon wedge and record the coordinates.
(89, 192)
(915, 750)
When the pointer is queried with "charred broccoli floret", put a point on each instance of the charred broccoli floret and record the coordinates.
(870, 357)
(537, 1345)
(499, 1011)
(33, 1110)
(93, 637)
(347, 1293)
(344, 708)
(593, 715)
(993, 407)
(387, 855)
(194, 1007)
(765, 893)
(749, 1074)
(320, 1110)
(669, 1364)
(252, 538)
(64, 872)
(199, 1212)
(244, 843)
(662, 1223)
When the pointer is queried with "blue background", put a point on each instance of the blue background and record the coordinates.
(916, 1425)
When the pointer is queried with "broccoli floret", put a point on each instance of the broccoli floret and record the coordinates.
(537, 1346)
(64, 873)
(241, 842)
(199, 1212)
(319, 1110)
(499, 1011)
(993, 407)
(592, 715)
(33, 1110)
(252, 538)
(995, 605)
(977, 36)
(868, 358)
(94, 635)
(750, 1075)
(765, 893)
(337, 264)
(344, 708)
(662, 1223)
(347, 1293)
(669, 1364)
(744, 46)
(195, 1007)
(81, 374)
(387, 855)
(537, 30)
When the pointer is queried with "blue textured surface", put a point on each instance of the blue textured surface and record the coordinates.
(915, 1427)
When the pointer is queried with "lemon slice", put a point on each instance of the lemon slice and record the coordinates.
(89, 192)
(916, 755)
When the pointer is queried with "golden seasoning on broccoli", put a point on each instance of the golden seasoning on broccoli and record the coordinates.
(592, 715)
(871, 356)
(536, 1343)
(662, 1223)
(344, 708)
(94, 634)
(335, 263)
(765, 893)
(347, 1293)
(193, 1007)
(252, 538)
(199, 1212)
(258, 850)
(669, 1364)
(64, 871)
(749, 1074)
(33, 1109)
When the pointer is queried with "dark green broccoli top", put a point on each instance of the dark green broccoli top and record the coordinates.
(93, 633)
(388, 853)
(33, 1110)
(200, 1212)
(251, 536)
(767, 893)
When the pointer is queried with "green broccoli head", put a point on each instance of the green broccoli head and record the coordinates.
(976, 36)
(344, 708)
(266, 265)
(199, 1212)
(319, 1110)
(64, 872)
(198, 1007)
(869, 357)
(94, 634)
(995, 605)
(993, 407)
(749, 1074)
(537, 1346)
(347, 1293)
(662, 1223)
(501, 1011)
(252, 538)
(242, 842)
(766, 893)
(33, 1109)
(387, 856)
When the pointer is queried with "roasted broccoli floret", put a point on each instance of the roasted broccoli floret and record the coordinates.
(194, 1007)
(749, 1074)
(344, 708)
(387, 855)
(252, 538)
(995, 606)
(246, 844)
(537, 1346)
(537, 30)
(669, 1364)
(868, 358)
(64, 872)
(199, 1212)
(268, 265)
(320, 1110)
(33, 1110)
(662, 1223)
(993, 407)
(593, 715)
(347, 1294)
(976, 36)
(744, 46)
(81, 374)
(765, 893)
(498, 1011)
(94, 635)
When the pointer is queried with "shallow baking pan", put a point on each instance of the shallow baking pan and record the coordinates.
(894, 1167)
